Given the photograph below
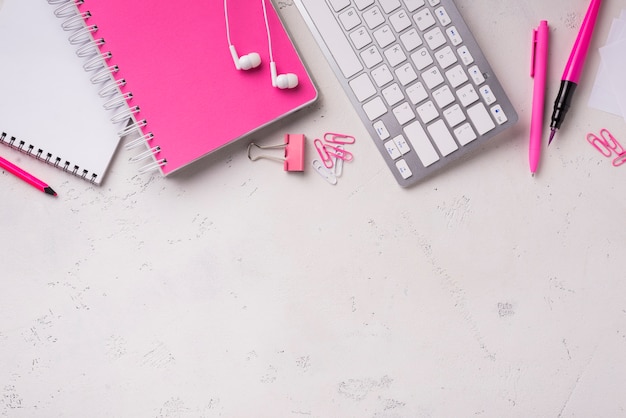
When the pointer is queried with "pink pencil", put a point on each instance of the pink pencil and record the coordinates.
(28, 178)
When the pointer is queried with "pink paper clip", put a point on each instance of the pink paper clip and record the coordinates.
(339, 152)
(608, 145)
(323, 153)
(294, 152)
(335, 138)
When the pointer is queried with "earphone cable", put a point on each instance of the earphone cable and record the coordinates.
(267, 28)
(227, 24)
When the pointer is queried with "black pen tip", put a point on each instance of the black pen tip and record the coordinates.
(49, 190)
(552, 133)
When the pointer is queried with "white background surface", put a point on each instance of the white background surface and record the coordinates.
(238, 290)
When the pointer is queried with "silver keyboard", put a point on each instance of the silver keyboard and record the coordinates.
(416, 77)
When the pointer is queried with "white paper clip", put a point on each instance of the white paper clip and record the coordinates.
(326, 173)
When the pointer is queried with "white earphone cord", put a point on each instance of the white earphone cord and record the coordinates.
(267, 27)
(227, 24)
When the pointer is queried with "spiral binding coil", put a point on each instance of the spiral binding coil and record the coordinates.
(40, 155)
(97, 60)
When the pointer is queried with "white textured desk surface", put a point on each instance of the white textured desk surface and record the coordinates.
(237, 290)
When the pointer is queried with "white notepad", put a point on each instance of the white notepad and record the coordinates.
(48, 106)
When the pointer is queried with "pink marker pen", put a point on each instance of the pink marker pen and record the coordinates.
(574, 68)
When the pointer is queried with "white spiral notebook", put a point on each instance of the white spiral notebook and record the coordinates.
(49, 108)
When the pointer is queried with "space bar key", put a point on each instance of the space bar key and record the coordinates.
(333, 36)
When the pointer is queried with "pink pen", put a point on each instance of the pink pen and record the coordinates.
(574, 67)
(539, 65)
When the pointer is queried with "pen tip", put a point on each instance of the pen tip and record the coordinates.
(49, 190)
(552, 133)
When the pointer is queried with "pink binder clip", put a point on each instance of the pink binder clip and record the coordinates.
(294, 152)
(334, 138)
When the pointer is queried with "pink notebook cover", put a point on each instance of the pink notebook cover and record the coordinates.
(175, 59)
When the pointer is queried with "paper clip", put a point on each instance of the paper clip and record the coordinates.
(326, 173)
(607, 145)
(323, 153)
(338, 162)
(294, 152)
(339, 152)
(335, 138)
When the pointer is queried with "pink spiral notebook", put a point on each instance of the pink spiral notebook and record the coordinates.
(188, 99)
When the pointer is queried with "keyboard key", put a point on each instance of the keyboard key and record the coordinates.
(424, 19)
(433, 3)
(362, 4)
(382, 75)
(413, 5)
(417, 93)
(402, 145)
(400, 21)
(393, 94)
(395, 55)
(465, 134)
(403, 169)
(467, 95)
(465, 55)
(421, 58)
(456, 76)
(445, 57)
(454, 36)
(362, 87)
(454, 115)
(432, 78)
(361, 38)
(442, 137)
(389, 5)
(404, 113)
(435, 38)
(335, 39)
(499, 114)
(411, 40)
(443, 96)
(392, 150)
(480, 118)
(487, 94)
(406, 74)
(375, 108)
(350, 19)
(339, 4)
(427, 112)
(373, 17)
(381, 130)
(421, 144)
(443, 17)
(371, 57)
(384, 36)
(476, 75)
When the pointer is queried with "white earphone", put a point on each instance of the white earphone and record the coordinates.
(248, 61)
(253, 60)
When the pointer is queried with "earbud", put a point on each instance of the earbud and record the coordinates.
(283, 81)
(251, 60)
